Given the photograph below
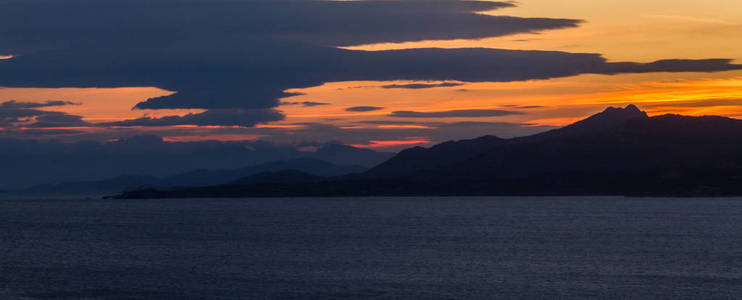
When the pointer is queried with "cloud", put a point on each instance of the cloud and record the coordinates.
(223, 54)
(58, 119)
(464, 113)
(15, 114)
(363, 108)
(215, 117)
(260, 86)
(45, 133)
(305, 103)
(319, 22)
(421, 85)
(12, 104)
(523, 106)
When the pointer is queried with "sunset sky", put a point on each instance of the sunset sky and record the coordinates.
(376, 74)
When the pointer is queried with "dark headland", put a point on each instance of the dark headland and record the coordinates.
(620, 151)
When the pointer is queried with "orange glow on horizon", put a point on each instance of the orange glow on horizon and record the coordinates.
(392, 143)
(554, 102)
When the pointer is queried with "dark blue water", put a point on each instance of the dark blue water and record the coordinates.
(372, 248)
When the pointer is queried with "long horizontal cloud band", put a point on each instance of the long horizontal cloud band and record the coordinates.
(330, 23)
(471, 65)
(227, 117)
(258, 84)
(464, 113)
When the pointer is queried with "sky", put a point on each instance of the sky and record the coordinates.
(383, 75)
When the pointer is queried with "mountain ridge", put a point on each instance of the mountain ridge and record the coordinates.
(620, 151)
(441, 155)
(311, 166)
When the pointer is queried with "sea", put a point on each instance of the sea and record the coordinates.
(372, 248)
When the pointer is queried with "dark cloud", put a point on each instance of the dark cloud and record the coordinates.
(331, 23)
(363, 108)
(680, 65)
(259, 82)
(46, 133)
(234, 54)
(58, 119)
(15, 114)
(468, 113)
(12, 104)
(523, 106)
(225, 117)
(421, 85)
(305, 103)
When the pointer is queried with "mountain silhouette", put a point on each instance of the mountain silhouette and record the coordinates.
(609, 118)
(344, 155)
(620, 151)
(311, 167)
(418, 159)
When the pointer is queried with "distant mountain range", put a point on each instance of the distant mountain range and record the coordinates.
(312, 166)
(442, 156)
(28, 163)
(620, 151)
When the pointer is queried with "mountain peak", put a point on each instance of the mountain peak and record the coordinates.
(611, 117)
(629, 110)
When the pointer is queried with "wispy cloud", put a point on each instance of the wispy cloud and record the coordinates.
(468, 113)
(305, 103)
(363, 108)
(421, 85)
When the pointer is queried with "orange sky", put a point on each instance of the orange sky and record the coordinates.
(627, 30)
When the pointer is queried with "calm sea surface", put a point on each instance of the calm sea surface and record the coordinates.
(493, 247)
